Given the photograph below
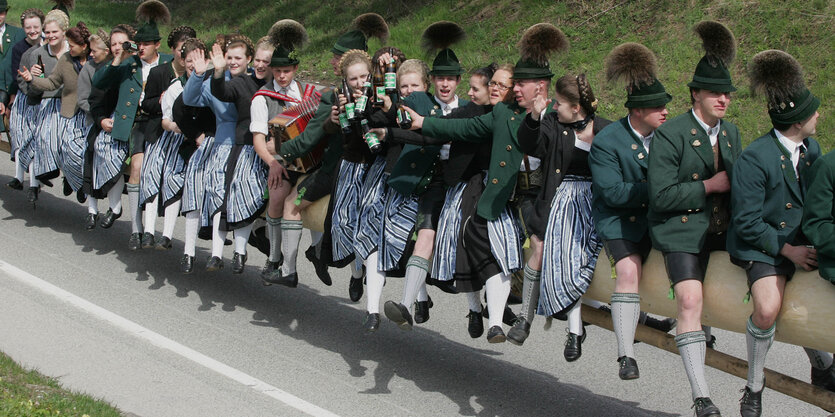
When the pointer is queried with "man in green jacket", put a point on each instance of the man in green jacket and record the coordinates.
(9, 36)
(129, 78)
(690, 161)
(618, 161)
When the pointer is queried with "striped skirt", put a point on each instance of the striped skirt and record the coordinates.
(506, 239)
(399, 218)
(214, 178)
(163, 169)
(48, 135)
(73, 133)
(246, 191)
(193, 184)
(108, 157)
(571, 247)
(370, 211)
(345, 208)
(22, 127)
(446, 237)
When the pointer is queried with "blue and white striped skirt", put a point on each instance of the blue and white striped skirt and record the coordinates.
(108, 158)
(163, 169)
(346, 208)
(193, 184)
(571, 246)
(73, 146)
(399, 220)
(505, 234)
(446, 236)
(24, 126)
(249, 183)
(48, 135)
(370, 211)
(214, 178)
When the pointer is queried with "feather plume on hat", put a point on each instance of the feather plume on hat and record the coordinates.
(718, 42)
(540, 41)
(69, 4)
(441, 35)
(776, 75)
(288, 33)
(631, 64)
(372, 25)
(153, 11)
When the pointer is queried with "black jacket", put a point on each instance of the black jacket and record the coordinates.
(159, 78)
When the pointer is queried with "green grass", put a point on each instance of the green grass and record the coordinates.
(800, 27)
(25, 393)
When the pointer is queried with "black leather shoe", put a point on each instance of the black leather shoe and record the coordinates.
(705, 408)
(371, 322)
(187, 264)
(163, 243)
(495, 335)
(109, 218)
(270, 272)
(519, 332)
(711, 344)
(475, 324)
(15, 184)
(290, 280)
(80, 197)
(446, 286)
(574, 346)
(824, 378)
(67, 190)
(751, 404)
(355, 288)
(399, 314)
(147, 241)
(238, 263)
(662, 325)
(422, 310)
(47, 183)
(509, 317)
(135, 241)
(33, 194)
(321, 267)
(214, 264)
(628, 368)
(90, 221)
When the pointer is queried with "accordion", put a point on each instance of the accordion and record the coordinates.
(289, 124)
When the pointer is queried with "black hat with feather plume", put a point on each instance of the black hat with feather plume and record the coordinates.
(368, 25)
(286, 35)
(635, 66)
(779, 77)
(720, 49)
(149, 14)
(439, 36)
(538, 43)
(64, 6)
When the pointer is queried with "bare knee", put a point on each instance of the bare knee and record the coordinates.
(765, 315)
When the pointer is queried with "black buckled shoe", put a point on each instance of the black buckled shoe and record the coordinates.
(509, 317)
(109, 218)
(824, 378)
(751, 404)
(147, 240)
(662, 325)
(270, 272)
(496, 335)
(321, 267)
(187, 264)
(628, 368)
(399, 314)
(15, 184)
(422, 310)
(163, 243)
(214, 264)
(574, 346)
(47, 183)
(66, 190)
(33, 194)
(475, 324)
(519, 332)
(135, 241)
(80, 197)
(289, 280)
(371, 322)
(238, 263)
(705, 408)
(90, 221)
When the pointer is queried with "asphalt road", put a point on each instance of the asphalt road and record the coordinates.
(128, 327)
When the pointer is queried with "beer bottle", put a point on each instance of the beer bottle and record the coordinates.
(370, 138)
(40, 64)
(350, 106)
(379, 85)
(362, 101)
(391, 75)
(343, 118)
(404, 119)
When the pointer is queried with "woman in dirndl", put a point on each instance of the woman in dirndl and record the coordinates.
(73, 123)
(561, 220)
(22, 113)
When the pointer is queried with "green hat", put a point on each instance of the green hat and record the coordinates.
(646, 96)
(4, 5)
(779, 77)
(538, 43)
(286, 35)
(365, 26)
(440, 36)
(635, 65)
(720, 49)
(149, 13)
(446, 63)
(283, 57)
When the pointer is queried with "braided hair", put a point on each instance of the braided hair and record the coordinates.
(179, 34)
(30, 13)
(79, 35)
(122, 28)
(577, 90)
(352, 57)
(192, 44)
(236, 40)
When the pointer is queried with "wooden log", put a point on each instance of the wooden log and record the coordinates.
(808, 306)
(723, 362)
(313, 217)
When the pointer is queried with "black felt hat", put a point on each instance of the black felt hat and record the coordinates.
(712, 72)
(149, 14)
(440, 36)
(537, 45)
(635, 66)
(779, 77)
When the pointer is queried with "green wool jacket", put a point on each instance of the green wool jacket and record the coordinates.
(819, 213)
(501, 124)
(416, 164)
(680, 158)
(318, 128)
(8, 75)
(127, 77)
(618, 163)
(767, 199)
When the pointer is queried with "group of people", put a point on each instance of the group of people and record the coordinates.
(429, 186)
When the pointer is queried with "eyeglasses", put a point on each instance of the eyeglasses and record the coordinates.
(498, 85)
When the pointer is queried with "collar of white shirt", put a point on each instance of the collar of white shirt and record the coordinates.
(644, 139)
(712, 132)
(791, 146)
(447, 108)
(291, 90)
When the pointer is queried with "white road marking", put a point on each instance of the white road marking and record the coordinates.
(163, 342)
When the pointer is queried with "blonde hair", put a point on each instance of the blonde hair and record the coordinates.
(415, 66)
(353, 56)
(264, 44)
(59, 18)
